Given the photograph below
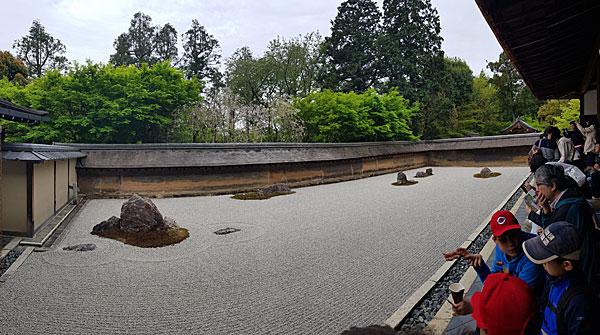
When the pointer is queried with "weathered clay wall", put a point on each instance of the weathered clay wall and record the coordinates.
(198, 169)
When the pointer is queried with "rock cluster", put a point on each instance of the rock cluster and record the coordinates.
(428, 172)
(274, 189)
(138, 215)
(402, 180)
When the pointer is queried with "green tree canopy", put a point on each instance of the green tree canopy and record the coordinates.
(350, 56)
(97, 103)
(295, 64)
(40, 51)
(514, 96)
(559, 113)
(352, 117)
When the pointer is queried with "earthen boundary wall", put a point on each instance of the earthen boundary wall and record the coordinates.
(166, 170)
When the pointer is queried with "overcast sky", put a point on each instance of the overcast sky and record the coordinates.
(89, 27)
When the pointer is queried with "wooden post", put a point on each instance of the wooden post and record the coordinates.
(598, 88)
(581, 107)
(1, 135)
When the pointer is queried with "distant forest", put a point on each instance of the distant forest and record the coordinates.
(381, 75)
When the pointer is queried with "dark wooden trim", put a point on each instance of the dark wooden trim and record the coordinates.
(581, 107)
(591, 67)
(55, 188)
(29, 173)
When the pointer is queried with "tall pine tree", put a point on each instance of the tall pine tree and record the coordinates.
(201, 53)
(410, 46)
(350, 54)
(136, 46)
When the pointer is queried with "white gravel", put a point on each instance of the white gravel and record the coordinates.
(315, 262)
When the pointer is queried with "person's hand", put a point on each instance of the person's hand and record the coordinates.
(543, 202)
(597, 167)
(527, 186)
(528, 209)
(475, 260)
(463, 308)
(460, 252)
(539, 230)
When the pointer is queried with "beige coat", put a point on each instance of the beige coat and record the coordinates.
(590, 137)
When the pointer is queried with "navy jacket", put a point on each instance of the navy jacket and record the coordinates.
(577, 317)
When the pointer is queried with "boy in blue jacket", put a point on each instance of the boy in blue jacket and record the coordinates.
(509, 258)
(569, 305)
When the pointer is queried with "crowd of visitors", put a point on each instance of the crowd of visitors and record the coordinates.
(546, 281)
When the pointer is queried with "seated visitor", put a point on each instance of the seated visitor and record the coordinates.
(575, 178)
(559, 203)
(505, 306)
(569, 305)
(507, 234)
(547, 145)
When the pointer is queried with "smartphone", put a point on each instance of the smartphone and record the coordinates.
(523, 187)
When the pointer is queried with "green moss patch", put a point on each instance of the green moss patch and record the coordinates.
(408, 183)
(254, 196)
(494, 174)
(153, 239)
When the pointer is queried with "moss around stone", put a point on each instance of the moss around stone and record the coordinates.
(494, 174)
(152, 239)
(408, 183)
(254, 196)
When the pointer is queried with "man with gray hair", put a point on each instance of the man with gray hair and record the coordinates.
(560, 203)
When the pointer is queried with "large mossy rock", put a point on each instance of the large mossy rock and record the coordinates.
(140, 215)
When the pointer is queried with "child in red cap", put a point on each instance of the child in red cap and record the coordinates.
(507, 234)
(505, 306)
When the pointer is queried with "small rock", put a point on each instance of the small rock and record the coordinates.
(401, 178)
(421, 175)
(226, 231)
(112, 223)
(170, 223)
(81, 247)
(429, 171)
(485, 172)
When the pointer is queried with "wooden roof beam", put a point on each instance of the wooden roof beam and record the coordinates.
(591, 67)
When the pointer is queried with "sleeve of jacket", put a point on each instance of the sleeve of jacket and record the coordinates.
(532, 274)
(584, 130)
(534, 217)
(544, 219)
(483, 271)
(578, 316)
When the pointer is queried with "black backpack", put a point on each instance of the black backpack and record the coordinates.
(576, 287)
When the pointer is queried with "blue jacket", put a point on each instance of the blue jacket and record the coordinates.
(577, 318)
(519, 266)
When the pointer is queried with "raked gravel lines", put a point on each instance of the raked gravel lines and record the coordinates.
(315, 262)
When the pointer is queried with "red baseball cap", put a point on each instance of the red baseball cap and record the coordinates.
(504, 306)
(503, 221)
